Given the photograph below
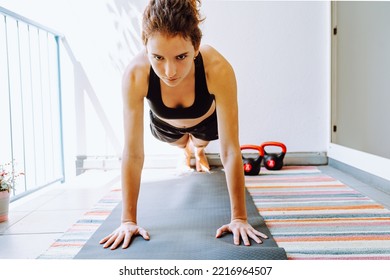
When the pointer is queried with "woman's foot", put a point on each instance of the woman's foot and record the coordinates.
(202, 164)
(184, 164)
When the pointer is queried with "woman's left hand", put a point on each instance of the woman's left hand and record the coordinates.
(241, 228)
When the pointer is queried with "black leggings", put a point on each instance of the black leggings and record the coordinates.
(206, 130)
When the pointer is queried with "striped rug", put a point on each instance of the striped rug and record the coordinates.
(314, 216)
(310, 214)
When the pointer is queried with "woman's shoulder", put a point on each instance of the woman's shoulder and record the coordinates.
(210, 55)
(215, 64)
(139, 65)
(137, 72)
(213, 60)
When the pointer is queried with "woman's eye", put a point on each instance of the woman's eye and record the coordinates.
(181, 57)
(158, 58)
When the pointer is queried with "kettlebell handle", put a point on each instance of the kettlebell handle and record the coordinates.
(272, 143)
(253, 147)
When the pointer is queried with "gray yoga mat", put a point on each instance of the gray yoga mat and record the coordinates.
(182, 216)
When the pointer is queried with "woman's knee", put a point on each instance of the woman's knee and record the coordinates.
(182, 142)
(198, 143)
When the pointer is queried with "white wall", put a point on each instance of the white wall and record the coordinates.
(360, 93)
(280, 52)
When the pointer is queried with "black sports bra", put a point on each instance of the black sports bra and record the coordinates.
(201, 105)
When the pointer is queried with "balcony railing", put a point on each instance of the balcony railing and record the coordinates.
(30, 102)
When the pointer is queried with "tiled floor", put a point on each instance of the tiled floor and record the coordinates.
(37, 220)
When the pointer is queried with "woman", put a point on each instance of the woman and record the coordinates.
(176, 75)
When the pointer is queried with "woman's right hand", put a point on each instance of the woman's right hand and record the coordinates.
(124, 233)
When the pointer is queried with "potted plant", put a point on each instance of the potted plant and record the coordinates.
(7, 183)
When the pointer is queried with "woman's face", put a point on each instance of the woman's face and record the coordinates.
(171, 57)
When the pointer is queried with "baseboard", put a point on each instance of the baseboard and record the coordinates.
(373, 164)
(84, 163)
(361, 175)
(297, 158)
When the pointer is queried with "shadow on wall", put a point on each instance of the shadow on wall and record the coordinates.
(126, 18)
(83, 85)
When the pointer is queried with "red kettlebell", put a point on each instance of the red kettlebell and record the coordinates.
(252, 165)
(273, 161)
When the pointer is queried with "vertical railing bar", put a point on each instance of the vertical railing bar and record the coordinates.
(42, 104)
(32, 105)
(9, 99)
(50, 102)
(22, 104)
(57, 38)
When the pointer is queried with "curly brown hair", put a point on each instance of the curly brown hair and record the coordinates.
(171, 18)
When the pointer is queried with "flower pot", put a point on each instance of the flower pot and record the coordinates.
(4, 206)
